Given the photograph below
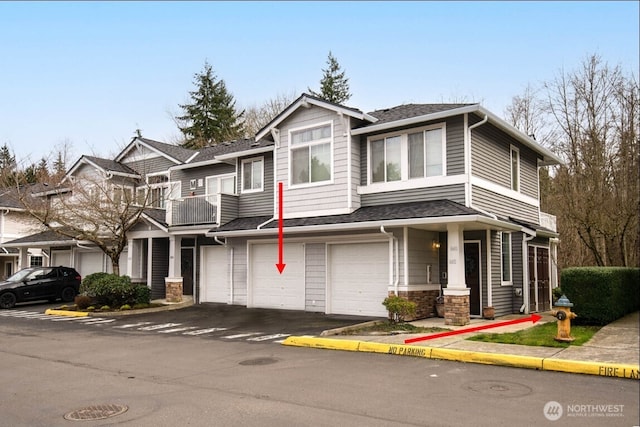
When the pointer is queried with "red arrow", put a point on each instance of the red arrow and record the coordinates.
(281, 265)
(533, 318)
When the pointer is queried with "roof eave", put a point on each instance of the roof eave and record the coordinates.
(415, 120)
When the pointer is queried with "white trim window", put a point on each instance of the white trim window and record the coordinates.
(506, 271)
(252, 175)
(219, 184)
(310, 154)
(515, 168)
(413, 154)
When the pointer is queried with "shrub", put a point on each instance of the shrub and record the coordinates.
(91, 308)
(105, 308)
(601, 295)
(142, 294)
(125, 307)
(399, 308)
(82, 301)
(89, 281)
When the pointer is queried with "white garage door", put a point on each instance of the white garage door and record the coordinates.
(270, 289)
(89, 262)
(61, 258)
(214, 278)
(359, 278)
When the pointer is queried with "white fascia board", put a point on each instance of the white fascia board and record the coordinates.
(41, 244)
(161, 153)
(194, 165)
(306, 100)
(192, 157)
(154, 222)
(251, 152)
(501, 225)
(416, 120)
(549, 157)
(124, 174)
(51, 192)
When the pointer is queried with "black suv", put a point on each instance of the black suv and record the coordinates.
(40, 283)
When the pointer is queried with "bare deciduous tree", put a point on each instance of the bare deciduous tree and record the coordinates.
(256, 117)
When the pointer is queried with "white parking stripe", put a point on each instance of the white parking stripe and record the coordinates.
(204, 331)
(67, 319)
(161, 326)
(184, 328)
(99, 322)
(232, 337)
(268, 337)
(132, 325)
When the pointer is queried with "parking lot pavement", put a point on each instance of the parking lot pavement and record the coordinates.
(216, 321)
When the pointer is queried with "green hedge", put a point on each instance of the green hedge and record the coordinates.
(114, 290)
(601, 295)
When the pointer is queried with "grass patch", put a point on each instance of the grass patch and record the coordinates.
(388, 327)
(539, 335)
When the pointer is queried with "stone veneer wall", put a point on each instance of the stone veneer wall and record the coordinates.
(174, 289)
(425, 302)
(456, 310)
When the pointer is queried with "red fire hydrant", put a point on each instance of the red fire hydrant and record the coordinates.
(564, 316)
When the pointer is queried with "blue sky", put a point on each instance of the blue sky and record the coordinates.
(90, 73)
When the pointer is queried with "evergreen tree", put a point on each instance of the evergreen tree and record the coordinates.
(59, 165)
(211, 117)
(7, 166)
(334, 86)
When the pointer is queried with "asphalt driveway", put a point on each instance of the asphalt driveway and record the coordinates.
(240, 318)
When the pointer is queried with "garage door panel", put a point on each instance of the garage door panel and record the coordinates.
(359, 278)
(215, 274)
(89, 263)
(269, 288)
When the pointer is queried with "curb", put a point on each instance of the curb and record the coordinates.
(542, 364)
(70, 313)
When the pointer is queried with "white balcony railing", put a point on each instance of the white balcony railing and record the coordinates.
(548, 221)
(194, 210)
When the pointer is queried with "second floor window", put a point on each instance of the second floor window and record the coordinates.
(515, 169)
(252, 175)
(419, 153)
(505, 243)
(311, 155)
(158, 190)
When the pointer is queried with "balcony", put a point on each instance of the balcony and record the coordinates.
(548, 221)
(215, 209)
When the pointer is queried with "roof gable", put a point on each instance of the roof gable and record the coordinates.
(172, 152)
(304, 101)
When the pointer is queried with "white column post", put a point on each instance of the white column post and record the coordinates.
(23, 261)
(175, 261)
(456, 284)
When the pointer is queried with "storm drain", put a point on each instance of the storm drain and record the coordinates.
(259, 361)
(96, 412)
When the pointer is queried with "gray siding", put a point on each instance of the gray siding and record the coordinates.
(160, 255)
(518, 268)
(450, 192)
(186, 175)
(228, 208)
(502, 296)
(314, 198)
(315, 277)
(491, 159)
(503, 205)
(421, 254)
(261, 203)
(150, 165)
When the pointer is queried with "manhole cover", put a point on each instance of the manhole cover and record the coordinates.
(498, 388)
(96, 412)
(259, 361)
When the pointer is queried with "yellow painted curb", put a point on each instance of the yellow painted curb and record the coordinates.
(529, 362)
(66, 313)
(324, 343)
(487, 358)
(592, 368)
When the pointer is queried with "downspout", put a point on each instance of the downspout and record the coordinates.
(394, 241)
(231, 277)
(220, 242)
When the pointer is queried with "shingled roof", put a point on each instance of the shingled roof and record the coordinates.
(412, 210)
(406, 111)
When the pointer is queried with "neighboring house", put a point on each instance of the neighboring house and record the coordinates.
(420, 200)
(14, 224)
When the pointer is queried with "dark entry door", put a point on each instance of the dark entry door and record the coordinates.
(542, 269)
(472, 275)
(186, 270)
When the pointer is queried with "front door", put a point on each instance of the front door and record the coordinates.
(186, 270)
(539, 289)
(472, 275)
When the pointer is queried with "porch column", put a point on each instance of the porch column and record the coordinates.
(456, 294)
(23, 259)
(130, 257)
(173, 282)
